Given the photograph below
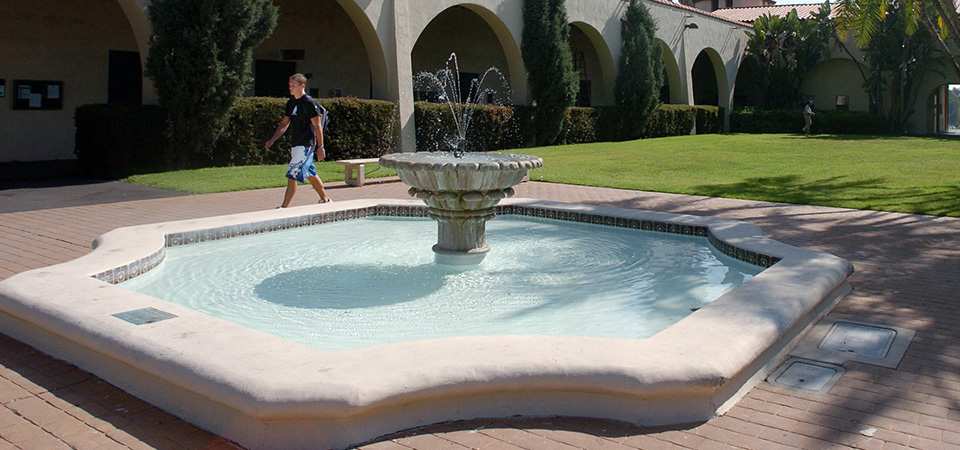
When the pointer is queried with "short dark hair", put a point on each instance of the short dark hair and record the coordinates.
(300, 78)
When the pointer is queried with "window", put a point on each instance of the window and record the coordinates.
(843, 102)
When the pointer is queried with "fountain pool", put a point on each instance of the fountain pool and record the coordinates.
(264, 391)
(545, 277)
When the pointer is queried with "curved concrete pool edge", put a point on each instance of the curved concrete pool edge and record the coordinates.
(267, 392)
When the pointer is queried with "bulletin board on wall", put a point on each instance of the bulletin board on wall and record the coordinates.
(37, 94)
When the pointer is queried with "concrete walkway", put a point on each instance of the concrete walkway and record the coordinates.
(907, 275)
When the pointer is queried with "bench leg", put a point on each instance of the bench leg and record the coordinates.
(354, 175)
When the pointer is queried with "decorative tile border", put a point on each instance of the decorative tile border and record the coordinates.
(136, 268)
(133, 269)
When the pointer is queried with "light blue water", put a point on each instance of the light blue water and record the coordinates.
(370, 281)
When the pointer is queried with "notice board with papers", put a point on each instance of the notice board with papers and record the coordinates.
(37, 94)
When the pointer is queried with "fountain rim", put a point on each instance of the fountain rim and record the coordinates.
(193, 366)
(447, 161)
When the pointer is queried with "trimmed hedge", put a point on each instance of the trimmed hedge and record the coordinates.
(116, 140)
(357, 129)
(752, 120)
(491, 127)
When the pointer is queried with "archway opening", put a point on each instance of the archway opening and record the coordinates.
(705, 90)
(670, 92)
(319, 39)
(746, 89)
(462, 31)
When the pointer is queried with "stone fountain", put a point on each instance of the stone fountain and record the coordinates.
(462, 191)
(461, 187)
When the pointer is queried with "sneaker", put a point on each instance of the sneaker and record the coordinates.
(328, 200)
(279, 207)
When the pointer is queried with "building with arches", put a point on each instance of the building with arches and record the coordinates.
(56, 55)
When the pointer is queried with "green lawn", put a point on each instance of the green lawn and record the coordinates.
(901, 174)
(241, 178)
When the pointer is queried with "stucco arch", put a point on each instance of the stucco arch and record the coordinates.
(503, 17)
(373, 44)
(601, 67)
(672, 75)
(721, 84)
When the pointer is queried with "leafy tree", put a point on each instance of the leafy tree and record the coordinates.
(865, 19)
(897, 54)
(641, 68)
(785, 49)
(546, 53)
(200, 60)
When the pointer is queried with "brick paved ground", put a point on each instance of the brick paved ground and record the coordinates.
(908, 275)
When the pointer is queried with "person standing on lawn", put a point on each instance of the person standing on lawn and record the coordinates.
(807, 116)
(302, 115)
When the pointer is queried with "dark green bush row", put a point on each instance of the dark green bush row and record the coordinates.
(489, 127)
(752, 120)
(494, 128)
(605, 123)
(115, 141)
(358, 129)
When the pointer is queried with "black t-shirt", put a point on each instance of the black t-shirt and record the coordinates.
(300, 111)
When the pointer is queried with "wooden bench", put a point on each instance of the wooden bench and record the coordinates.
(353, 173)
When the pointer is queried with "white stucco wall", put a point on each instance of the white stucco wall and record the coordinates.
(55, 40)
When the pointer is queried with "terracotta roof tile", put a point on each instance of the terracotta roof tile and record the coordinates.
(751, 13)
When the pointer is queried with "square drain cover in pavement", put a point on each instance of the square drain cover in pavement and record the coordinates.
(863, 340)
(144, 316)
(809, 376)
(837, 341)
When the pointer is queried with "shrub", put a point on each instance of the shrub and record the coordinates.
(609, 123)
(117, 140)
(671, 120)
(580, 126)
(491, 127)
(640, 74)
(709, 119)
(545, 49)
(752, 120)
(358, 129)
(201, 61)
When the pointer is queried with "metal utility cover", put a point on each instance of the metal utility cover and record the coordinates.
(859, 339)
(810, 376)
(838, 341)
(144, 316)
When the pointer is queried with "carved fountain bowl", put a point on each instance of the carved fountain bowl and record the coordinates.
(442, 172)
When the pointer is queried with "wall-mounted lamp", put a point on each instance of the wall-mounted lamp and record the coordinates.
(691, 26)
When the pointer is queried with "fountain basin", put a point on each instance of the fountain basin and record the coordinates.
(267, 392)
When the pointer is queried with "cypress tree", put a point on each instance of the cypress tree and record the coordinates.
(200, 60)
(640, 76)
(546, 53)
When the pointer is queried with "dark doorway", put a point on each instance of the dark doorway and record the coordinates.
(583, 97)
(124, 78)
(704, 82)
(270, 78)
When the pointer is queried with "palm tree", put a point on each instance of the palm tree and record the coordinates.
(865, 18)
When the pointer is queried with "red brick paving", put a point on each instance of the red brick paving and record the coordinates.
(907, 275)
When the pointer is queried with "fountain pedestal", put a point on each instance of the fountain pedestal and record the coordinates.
(461, 193)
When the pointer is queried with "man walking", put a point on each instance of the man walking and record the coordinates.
(807, 116)
(302, 115)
